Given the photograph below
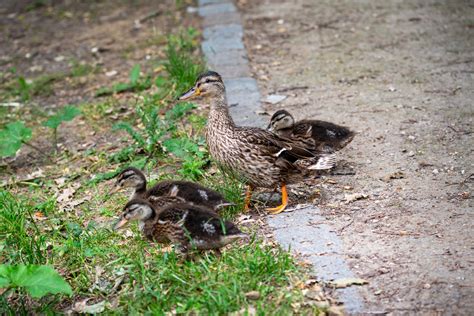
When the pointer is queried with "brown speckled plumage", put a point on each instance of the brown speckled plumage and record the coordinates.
(260, 157)
(257, 156)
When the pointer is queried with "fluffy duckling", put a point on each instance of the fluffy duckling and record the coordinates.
(189, 191)
(257, 156)
(184, 225)
(323, 136)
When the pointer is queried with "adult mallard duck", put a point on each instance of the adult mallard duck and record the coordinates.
(323, 136)
(259, 157)
(184, 225)
(190, 192)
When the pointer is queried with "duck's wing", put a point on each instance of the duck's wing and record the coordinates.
(271, 144)
(160, 189)
(197, 193)
(323, 131)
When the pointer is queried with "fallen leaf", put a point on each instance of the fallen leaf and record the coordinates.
(60, 181)
(82, 307)
(354, 197)
(39, 215)
(64, 198)
(345, 282)
(247, 311)
(394, 175)
(65, 195)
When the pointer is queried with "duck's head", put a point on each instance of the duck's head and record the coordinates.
(208, 84)
(130, 177)
(281, 119)
(136, 209)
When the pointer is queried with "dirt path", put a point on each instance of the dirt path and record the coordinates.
(401, 74)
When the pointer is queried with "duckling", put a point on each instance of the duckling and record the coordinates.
(191, 192)
(323, 136)
(184, 225)
(257, 156)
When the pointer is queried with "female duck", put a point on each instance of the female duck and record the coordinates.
(257, 156)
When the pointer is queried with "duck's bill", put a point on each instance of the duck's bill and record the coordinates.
(193, 92)
(114, 190)
(122, 222)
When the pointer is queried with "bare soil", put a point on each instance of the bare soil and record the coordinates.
(103, 38)
(401, 74)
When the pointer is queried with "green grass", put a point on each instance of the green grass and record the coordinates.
(132, 275)
(150, 280)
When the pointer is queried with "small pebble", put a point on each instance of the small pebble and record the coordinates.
(111, 73)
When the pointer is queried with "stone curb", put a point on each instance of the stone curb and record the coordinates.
(225, 53)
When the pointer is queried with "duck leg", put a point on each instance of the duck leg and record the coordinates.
(248, 196)
(284, 201)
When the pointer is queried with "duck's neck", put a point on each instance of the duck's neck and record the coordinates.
(139, 191)
(219, 116)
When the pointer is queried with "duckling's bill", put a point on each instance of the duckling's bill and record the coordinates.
(193, 92)
(116, 188)
(122, 222)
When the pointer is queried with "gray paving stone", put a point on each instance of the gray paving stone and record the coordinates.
(231, 57)
(221, 19)
(320, 245)
(207, 2)
(217, 8)
(231, 71)
(244, 100)
(234, 31)
(221, 44)
(225, 53)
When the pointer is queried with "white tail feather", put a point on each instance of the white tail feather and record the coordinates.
(324, 163)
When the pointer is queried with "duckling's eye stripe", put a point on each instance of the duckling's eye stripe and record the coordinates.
(128, 174)
(280, 117)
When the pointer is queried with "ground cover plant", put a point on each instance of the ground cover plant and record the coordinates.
(56, 222)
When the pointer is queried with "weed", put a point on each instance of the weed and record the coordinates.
(67, 113)
(81, 69)
(135, 84)
(42, 85)
(181, 67)
(19, 233)
(16, 134)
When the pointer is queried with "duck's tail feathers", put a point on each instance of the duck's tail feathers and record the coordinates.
(324, 162)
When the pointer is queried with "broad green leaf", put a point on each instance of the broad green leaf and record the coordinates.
(122, 87)
(37, 280)
(135, 74)
(181, 147)
(4, 282)
(11, 138)
(65, 114)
